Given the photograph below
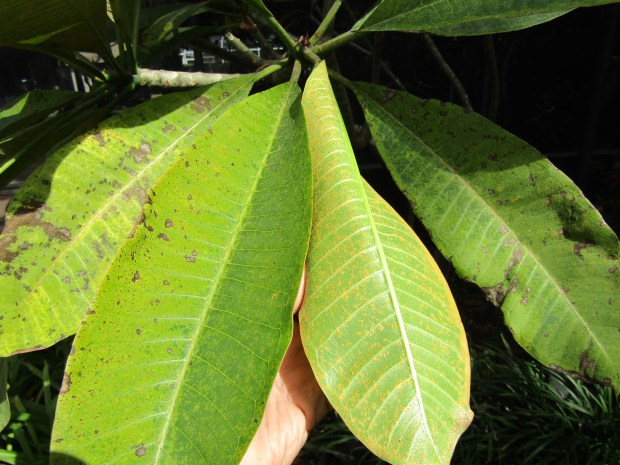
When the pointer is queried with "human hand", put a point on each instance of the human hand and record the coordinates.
(295, 405)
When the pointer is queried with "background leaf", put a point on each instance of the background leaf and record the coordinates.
(465, 17)
(195, 315)
(68, 220)
(379, 324)
(510, 222)
(63, 24)
(32, 107)
(5, 408)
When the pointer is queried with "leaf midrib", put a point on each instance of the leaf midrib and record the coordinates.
(218, 278)
(467, 186)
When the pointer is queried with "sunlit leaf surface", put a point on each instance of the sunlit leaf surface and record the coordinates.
(68, 220)
(179, 351)
(511, 223)
(379, 324)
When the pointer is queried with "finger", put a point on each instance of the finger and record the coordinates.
(301, 292)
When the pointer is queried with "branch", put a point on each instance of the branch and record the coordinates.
(243, 49)
(450, 74)
(163, 78)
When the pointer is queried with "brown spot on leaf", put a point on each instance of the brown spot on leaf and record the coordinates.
(166, 282)
(169, 223)
(163, 236)
(138, 331)
(495, 294)
(136, 277)
(503, 230)
(389, 95)
(99, 138)
(141, 451)
(203, 101)
(197, 108)
(169, 127)
(580, 246)
(190, 259)
(613, 269)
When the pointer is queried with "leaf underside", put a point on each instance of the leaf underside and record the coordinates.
(511, 223)
(465, 17)
(70, 217)
(379, 324)
(194, 317)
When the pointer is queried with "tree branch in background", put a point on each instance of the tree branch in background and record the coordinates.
(449, 73)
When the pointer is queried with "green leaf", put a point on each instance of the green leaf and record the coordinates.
(32, 107)
(68, 220)
(464, 17)
(63, 24)
(165, 27)
(379, 324)
(195, 315)
(511, 223)
(5, 408)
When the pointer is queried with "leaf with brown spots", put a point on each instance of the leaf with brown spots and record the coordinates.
(379, 324)
(70, 217)
(187, 353)
(517, 227)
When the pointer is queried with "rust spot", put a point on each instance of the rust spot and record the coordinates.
(515, 259)
(495, 294)
(580, 246)
(136, 277)
(169, 223)
(203, 102)
(163, 236)
(66, 383)
(139, 155)
(389, 95)
(197, 108)
(99, 138)
(587, 366)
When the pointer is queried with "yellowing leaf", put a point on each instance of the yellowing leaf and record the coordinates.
(379, 324)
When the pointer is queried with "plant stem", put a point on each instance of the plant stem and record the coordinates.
(450, 74)
(243, 49)
(285, 37)
(327, 21)
(263, 73)
(164, 78)
(262, 41)
(296, 71)
(492, 106)
(336, 42)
